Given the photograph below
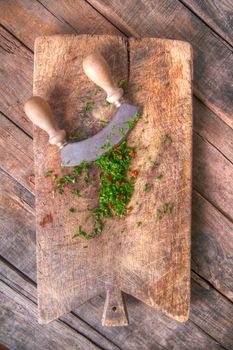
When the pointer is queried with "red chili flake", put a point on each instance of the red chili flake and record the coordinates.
(116, 148)
(118, 183)
(120, 197)
(46, 220)
(110, 205)
(109, 179)
(120, 156)
(132, 154)
(134, 173)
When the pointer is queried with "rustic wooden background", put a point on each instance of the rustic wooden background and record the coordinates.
(208, 26)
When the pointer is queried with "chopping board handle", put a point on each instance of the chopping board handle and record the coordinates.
(40, 113)
(98, 70)
(115, 313)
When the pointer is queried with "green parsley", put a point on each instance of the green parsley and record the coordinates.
(107, 104)
(138, 224)
(166, 139)
(155, 165)
(81, 233)
(148, 187)
(159, 177)
(133, 120)
(48, 173)
(72, 210)
(137, 88)
(167, 208)
(89, 105)
(159, 214)
(122, 84)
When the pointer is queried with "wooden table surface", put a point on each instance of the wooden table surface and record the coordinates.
(207, 25)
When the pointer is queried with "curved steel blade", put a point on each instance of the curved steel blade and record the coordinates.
(92, 148)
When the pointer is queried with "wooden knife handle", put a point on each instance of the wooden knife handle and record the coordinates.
(40, 113)
(98, 70)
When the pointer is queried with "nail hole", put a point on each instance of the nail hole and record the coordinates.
(114, 308)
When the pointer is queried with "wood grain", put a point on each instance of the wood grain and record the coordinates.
(79, 274)
(213, 178)
(148, 328)
(16, 156)
(171, 19)
(16, 79)
(212, 129)
(212, 246)
(20, 329)
(217, 14)
(29, 19)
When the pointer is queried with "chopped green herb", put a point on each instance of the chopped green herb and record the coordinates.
(106, 146)
(155, 165)
(89, 105)
(59, 190)
(148, 187)
(85, 246)
(137, 88)
(166, 139)
(107, 104)
(167, 208)
(138, 224)
(74, 134)
(76, 193)
(159, 214)
(115, 188)
(72, 210)
(95, 92)
(103, 122)
(81, 233)
(159, 177)
(122, 84)
(48, 173)
(167, 84)
(122, 131)
(133, 120)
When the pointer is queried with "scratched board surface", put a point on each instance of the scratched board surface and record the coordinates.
(146, 254)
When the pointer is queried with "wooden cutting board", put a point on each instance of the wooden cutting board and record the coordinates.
(146, 254)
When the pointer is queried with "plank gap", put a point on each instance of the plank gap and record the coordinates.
(216, 207)
(106, 18)
(225, 41)
(16, 38)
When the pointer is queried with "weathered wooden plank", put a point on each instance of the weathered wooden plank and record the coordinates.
(208, 315)
(212, 129)
(155, 327)
(29, 19)
(17, 225)
(16, 154)
(148, 329)
(212, 175)
(170, 18)
(19, 283)
(217, 14)
(21, 331)
(212, 246)
(16, 79)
